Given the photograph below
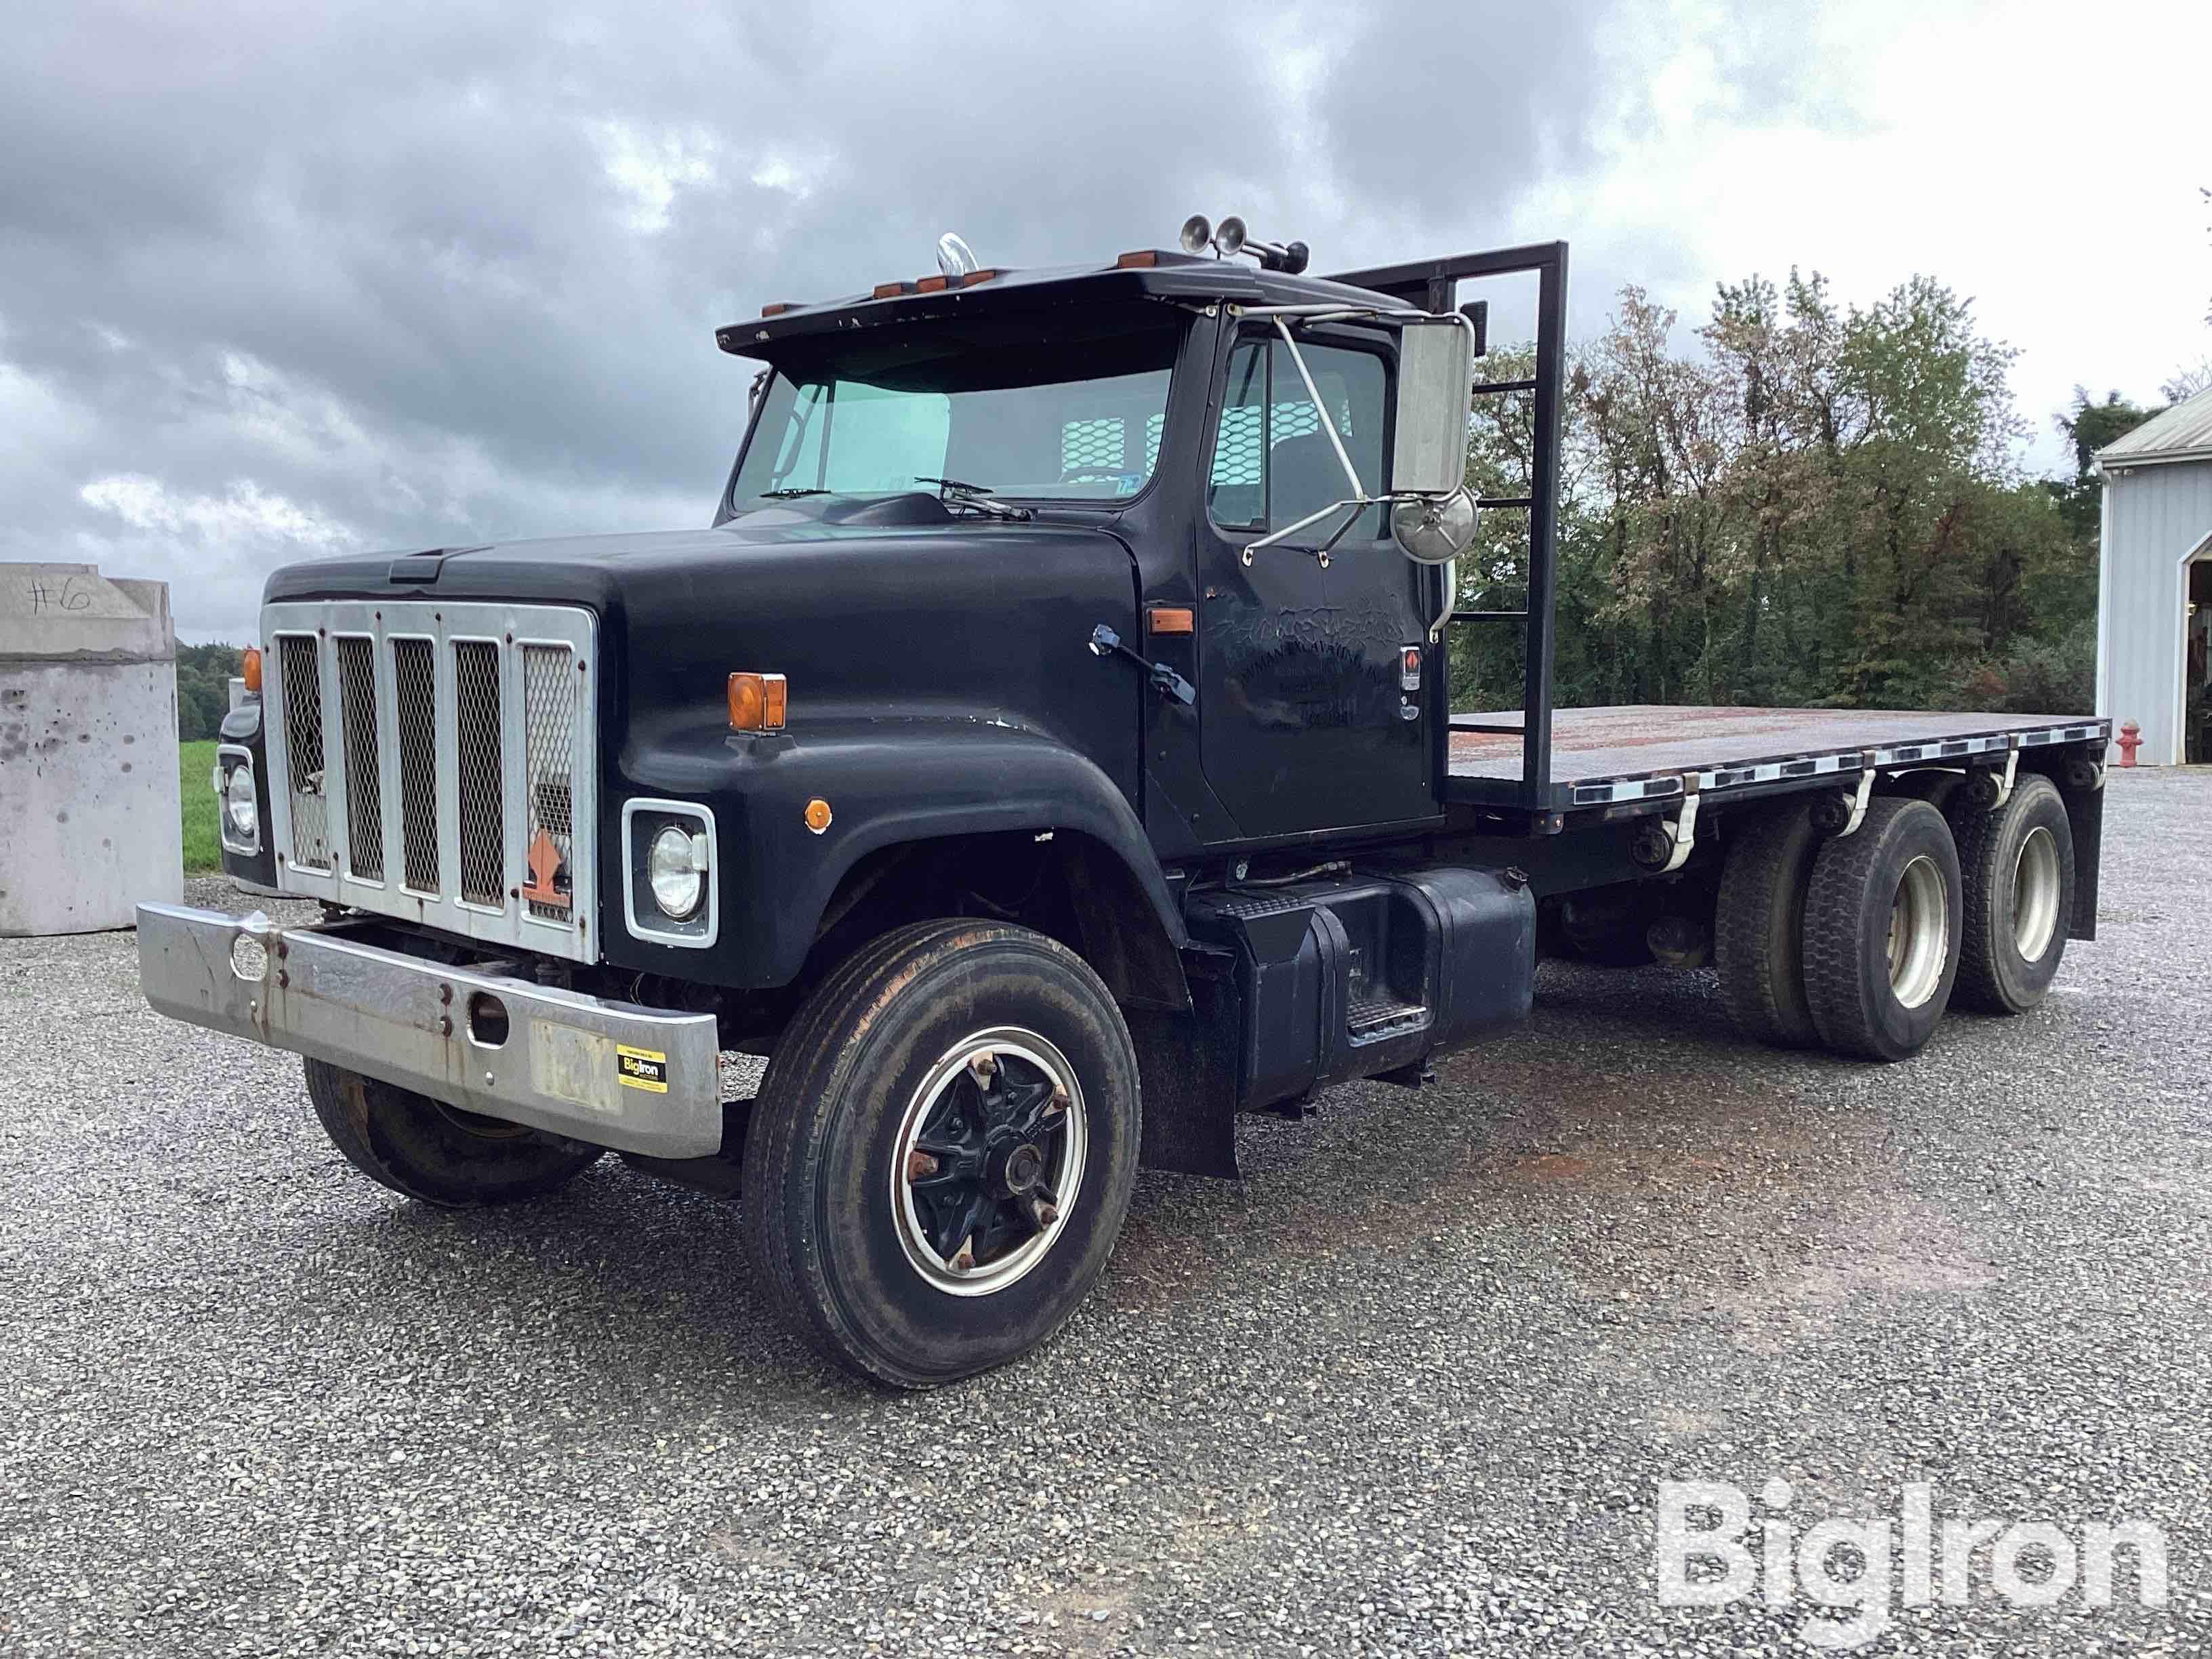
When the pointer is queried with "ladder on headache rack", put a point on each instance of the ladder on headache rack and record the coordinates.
(1432, 285)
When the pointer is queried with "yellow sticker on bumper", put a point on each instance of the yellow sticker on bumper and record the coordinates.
(642, 1068)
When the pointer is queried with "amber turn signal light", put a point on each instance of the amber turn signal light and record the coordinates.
(249, 669)
(817, 815)
(756, 702)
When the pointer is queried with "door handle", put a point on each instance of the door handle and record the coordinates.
(1105, 643)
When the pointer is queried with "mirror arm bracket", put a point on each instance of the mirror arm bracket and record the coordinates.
(1328, 420)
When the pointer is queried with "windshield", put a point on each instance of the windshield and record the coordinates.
(1002, 409)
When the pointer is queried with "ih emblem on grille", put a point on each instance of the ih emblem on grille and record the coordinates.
(549, 873)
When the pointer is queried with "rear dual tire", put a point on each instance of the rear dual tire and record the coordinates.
(1759, 929)
(1883, 917)
(1849, 943)
(2019, 866)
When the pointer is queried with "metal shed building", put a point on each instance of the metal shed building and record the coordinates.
(2155, 583)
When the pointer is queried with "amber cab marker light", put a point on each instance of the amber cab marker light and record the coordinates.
(970, 278)
(249, 669)
(932, 284)
(891, 290)
(756, 702)
(1172, 619)
(1138, 259)
(817, 815)
(776, 308)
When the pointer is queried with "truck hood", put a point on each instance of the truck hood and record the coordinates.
(967, 618)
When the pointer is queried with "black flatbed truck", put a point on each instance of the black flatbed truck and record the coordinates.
(1035, 827)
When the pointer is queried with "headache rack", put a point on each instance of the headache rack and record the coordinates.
(437, 762)
(1431, 285)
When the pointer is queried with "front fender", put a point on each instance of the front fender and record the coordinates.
(888, 781)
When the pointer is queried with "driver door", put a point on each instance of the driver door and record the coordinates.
(1310, 718)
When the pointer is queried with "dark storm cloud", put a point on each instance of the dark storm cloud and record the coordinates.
(274, 284)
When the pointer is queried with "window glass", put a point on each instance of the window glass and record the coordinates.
(1273, 463)
(1063, 419)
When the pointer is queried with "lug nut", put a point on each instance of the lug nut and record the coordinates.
(982, 1065)
(1042, 1213)
(964, 1259)
(919, 1165)
(1059, 1102)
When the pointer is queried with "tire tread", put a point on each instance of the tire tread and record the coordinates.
(1834, 902)
(1763, 987)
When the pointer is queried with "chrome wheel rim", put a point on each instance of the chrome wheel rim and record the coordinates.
(2035, 895)
(988, 1160)
(1919, 933)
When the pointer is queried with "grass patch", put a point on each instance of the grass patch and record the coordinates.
(203, 848)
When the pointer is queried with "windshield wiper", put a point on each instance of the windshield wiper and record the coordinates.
(953, 492)
(789, 495)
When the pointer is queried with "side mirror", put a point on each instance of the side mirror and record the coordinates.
(1436, 388)
(1434, 529)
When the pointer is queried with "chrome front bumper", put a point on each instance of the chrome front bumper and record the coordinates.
(613, 1073)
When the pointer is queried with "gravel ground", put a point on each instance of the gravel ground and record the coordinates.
(1410, 1387)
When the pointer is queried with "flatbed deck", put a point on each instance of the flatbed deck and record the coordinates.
(1645, 751)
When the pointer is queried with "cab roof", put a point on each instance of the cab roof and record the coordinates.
(1147, 274)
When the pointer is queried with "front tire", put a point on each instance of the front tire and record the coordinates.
(1882, 923)
(942, 1151)
(435, 1152)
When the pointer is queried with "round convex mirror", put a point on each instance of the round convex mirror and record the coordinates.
(1434, 529)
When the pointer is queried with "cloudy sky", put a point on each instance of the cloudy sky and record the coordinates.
(279, 281)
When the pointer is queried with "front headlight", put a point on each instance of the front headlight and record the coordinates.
(240, 802)
(669, 891)
(676, 872)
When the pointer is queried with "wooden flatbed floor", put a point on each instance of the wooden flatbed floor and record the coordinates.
(1636, 752)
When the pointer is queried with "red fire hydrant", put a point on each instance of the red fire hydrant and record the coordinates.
(2130, 740)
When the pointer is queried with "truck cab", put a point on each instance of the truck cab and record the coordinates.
(1044, 756)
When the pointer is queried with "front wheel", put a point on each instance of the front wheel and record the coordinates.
(942, 1151)
(435, 1153)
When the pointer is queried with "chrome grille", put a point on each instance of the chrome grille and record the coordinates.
(549, 714)
(356, 661)
(300, 662)
(414, 701)
(460, 787)
(476, 699)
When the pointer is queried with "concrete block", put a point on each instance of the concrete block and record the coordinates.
(89, 824)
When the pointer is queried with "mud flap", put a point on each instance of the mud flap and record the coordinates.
(1187, 1068)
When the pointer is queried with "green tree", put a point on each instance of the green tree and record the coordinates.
(204, 676)
(1812, 504)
